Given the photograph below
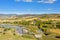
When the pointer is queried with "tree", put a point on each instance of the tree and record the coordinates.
(38, 23)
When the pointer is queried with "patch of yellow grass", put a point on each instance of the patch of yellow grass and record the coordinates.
(1, 29)
(55, 31)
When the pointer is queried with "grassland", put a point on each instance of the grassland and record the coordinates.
(49, 24)
(11, 35)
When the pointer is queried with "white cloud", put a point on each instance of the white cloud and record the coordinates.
(49, 9)
(24, 0)
(18, 0)
(38, 1)
(27, 0)
(46, 1)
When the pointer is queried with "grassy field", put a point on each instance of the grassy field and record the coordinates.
(11, 35)
(46, 23)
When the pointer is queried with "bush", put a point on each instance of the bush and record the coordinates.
(57, 26)
(28, 36)
(44, 26)
(3, 33)
(5, 29)
(14, 34)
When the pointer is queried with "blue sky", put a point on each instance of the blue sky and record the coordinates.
(29, 6)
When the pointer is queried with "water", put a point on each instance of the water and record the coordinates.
(18, 29)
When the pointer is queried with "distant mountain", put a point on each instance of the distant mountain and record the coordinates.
(4, 16)
(42, 15)
(8, 14)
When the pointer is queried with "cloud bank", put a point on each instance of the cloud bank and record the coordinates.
(38, 1)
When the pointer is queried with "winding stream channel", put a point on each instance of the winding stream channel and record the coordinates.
(21, 30)
(18, 29)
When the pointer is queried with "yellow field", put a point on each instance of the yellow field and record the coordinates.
(7, 20)
(9, 35)
(55, 31)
